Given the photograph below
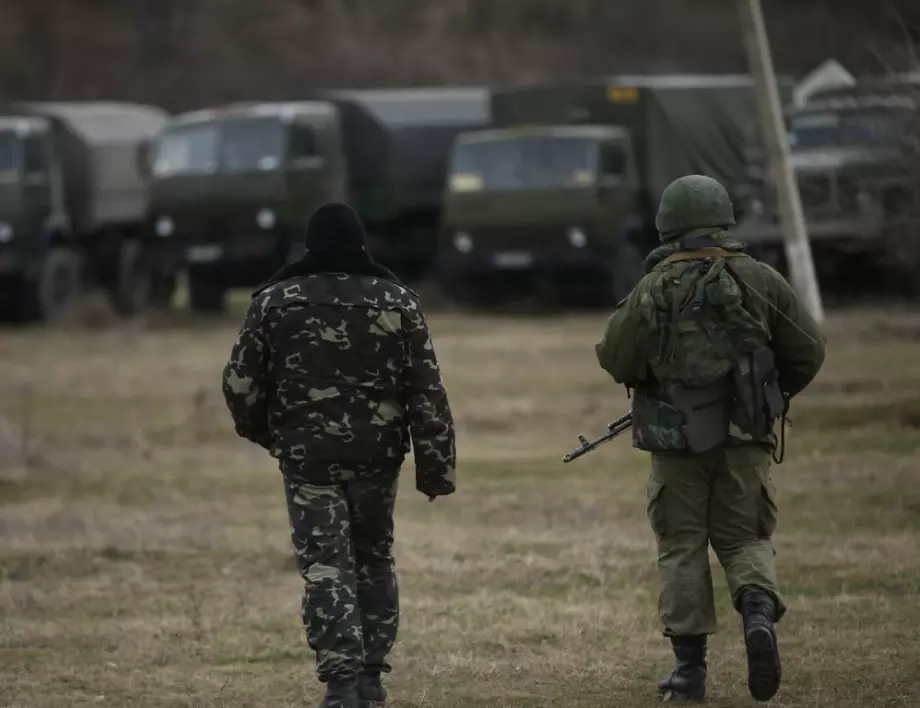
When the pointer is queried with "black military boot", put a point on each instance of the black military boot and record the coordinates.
(340, 695)
(688, 681)
(371, 693)
(764, 671)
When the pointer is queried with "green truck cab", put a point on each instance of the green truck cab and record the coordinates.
(233, 188)
(72, 205)
(561, 194)
(855, 152)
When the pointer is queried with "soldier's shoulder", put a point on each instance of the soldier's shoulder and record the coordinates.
(291, 288)
(395, 294)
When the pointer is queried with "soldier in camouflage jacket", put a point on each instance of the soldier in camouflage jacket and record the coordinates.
(334, 373)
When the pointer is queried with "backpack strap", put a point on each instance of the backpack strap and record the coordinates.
(701, 253)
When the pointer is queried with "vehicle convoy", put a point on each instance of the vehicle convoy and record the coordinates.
(234, 186)
(72, 206)
(856, 156)
(560, 195)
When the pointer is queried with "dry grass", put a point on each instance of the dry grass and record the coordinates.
(144, 550)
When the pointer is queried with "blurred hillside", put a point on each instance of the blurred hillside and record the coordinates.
(187, 53)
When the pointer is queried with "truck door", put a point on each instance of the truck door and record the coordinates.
(617, 189)
(308, 181)
(38, 185)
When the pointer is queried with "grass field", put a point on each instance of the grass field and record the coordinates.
(145, 555)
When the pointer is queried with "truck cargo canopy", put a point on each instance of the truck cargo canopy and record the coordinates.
(106, 123)
(397, 143)
(680, 124)
(97, 144)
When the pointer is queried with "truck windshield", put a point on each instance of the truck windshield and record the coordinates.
(185, 149)
(251, 144)
(9, 155)
(524, 163)
(842, 129)
(237, 145)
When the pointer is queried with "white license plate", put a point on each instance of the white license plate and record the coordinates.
(203, 254)
(512, 260)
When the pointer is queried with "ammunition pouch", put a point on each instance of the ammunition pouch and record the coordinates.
(768, 400)
(706, 412)
(657, 424)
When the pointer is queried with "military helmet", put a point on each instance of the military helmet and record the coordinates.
(694, 202)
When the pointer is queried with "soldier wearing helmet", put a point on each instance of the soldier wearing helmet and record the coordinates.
(713, 345)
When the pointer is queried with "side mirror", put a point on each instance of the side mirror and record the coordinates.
(142, 157)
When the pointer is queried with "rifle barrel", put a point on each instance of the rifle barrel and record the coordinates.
(617, 427)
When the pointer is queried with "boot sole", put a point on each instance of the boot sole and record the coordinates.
(764, 671)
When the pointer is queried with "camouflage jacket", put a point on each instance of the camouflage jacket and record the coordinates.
(335, 369)
(794, 337)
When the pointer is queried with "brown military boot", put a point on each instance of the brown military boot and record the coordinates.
(764, 669)
(688, 680)
(340, 695)
(371, 693)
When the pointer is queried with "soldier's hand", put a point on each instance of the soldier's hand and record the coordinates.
(431, 498)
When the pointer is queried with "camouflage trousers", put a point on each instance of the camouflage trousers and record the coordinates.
(343, 537)
(725, 498)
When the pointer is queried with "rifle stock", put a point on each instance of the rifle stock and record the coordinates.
(620, 425)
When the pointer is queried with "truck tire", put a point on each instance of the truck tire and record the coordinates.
(57, 287)
(205, 291)
(131, 289)
(162, 290)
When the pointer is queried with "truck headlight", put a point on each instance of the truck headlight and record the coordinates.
(463, 242)
(6, 233)
(164, 227)
(577, 237)
(265, 218)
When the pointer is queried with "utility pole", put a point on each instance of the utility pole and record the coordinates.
(792, 218)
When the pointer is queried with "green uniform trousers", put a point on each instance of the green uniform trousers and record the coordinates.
(726, 498)
(343, 538)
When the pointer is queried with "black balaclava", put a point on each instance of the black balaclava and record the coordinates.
(335, 244)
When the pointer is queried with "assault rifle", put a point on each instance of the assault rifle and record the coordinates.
(620, 425)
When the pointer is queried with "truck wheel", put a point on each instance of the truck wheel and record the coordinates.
(130, 293)
(205, 291)
(56, 288)
(162, 290)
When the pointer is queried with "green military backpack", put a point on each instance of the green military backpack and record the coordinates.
(698, 325)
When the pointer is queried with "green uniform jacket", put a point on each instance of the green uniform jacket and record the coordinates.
(795, 338)
(335, 368)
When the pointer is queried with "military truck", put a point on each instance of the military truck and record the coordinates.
(234, 186)
(560, 196)
(72, 205)
(232, 189)
(855, 151)
(397, 143)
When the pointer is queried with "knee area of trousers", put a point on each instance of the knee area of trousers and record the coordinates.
(327, 550)
(730, 547)
(372, 565)
(683, 542)
(321, 576)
